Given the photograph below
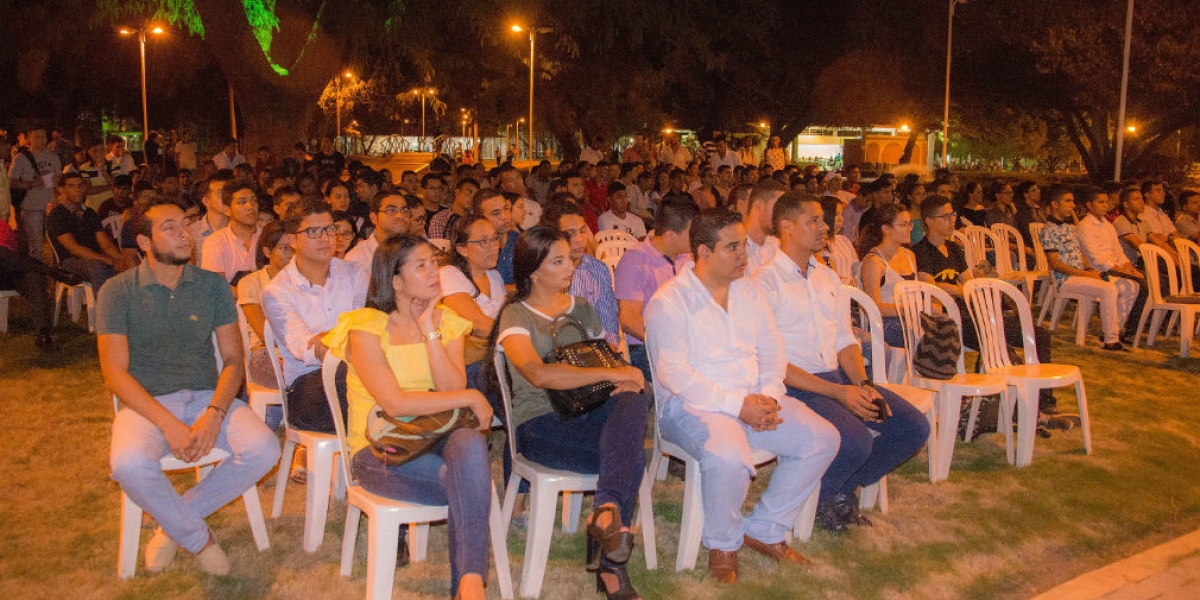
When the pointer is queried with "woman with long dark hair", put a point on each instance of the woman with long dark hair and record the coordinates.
(606, 441)
(886, 263)
(405, 355)
(968, 203)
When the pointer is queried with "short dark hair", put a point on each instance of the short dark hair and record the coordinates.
(1149, 183)
(931, 204)
(304, 208)
(1056, 192)
(764, 189)
(676, 214)
(789, 205)
(553, 213)
(65, 177)
(430, 177)
(371, 177)
(233, 187)
(142, 224)
(465, 181)
(280, 192)
(1128, 192)
(706, 227)
(1088, 193)
(376, 201)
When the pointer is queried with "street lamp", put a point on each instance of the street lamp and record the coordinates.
(533, 31)
(1124, 90)
(946, 113)
(141, 33)
(338, 134)
(517, 137)
(423, 92)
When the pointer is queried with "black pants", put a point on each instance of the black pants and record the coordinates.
(306, 404)
(27, 275)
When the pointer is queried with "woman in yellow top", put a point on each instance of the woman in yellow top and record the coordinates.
(405, 353)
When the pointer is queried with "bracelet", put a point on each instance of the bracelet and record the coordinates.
(433, 335)
(223, 411)
(866, 383)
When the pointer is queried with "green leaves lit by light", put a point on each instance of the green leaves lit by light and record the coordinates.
(261, 16)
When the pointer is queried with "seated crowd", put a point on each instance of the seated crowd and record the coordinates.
(726, 298)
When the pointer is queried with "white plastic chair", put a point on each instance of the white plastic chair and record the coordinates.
(320, 450)
(610, 251)
(1186, 306)
(691, 525)
(4, 296)
(385, 516)
(131, 513)
(260, 397)
(1189, 254)
(112, 225)
(616, 235)
(80, 295)
(1008, 243)
(1041, 265)
(985, 303)
(913, 298)
(960, 236)
(921, 399)
(545, 484)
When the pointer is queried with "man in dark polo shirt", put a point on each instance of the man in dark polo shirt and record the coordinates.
(156, 325)
(79, 239)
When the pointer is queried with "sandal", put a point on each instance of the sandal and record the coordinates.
(624, 592)
(616, 544)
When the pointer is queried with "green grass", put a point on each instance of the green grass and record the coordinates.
(990, 531)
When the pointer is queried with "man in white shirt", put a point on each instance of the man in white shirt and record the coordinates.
(723, 156)
(879, 430)
(761, 244)
(593, 154)
(229, 157)
(120, 162)
(185, 151)
(719, 365)
(230, 250)
(213, 219)
(303, 303)
(391, 216)
(1099, 242)
(618, 216)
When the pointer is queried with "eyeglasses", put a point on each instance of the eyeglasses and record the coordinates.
(392, 211)
(344, 233)
(315, 233)
(486, 242)
(945, 216)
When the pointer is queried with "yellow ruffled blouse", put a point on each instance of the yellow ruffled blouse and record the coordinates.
(409, 362)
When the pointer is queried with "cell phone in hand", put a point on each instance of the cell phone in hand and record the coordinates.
(882, 410)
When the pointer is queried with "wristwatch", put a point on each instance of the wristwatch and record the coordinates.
(866, 383)
(433, 335)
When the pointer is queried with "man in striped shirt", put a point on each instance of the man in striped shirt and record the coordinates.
(593, 280)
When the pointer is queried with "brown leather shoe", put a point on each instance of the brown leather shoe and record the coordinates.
(777, 552)
(723, 565)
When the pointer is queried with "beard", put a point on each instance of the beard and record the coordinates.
(168, 259)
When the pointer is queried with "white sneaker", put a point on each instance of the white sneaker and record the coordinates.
(213, 560)
(160, 551)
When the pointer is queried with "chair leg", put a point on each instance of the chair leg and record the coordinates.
(949, 406)
(258, 526)
(1083, 310)
(418, 541)
(281, 479)
(89, 297)
(1186, 329)
(543, 501)
(1084, 420)
(691, 525)
(3, 314)
(1046, 300)
(510, 499)
(131, 534)
(572, 507)
(1027, 415)
(383, 531)
(1056, 313)
(664, 463)
(1155, 324)
(931, 443)
(645, 516)
(972, 419)
(316, 501)
(1005, 423)
(497, 529)
(350, 539)
(803, 527)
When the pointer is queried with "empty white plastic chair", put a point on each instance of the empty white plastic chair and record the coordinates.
(1189, 254)
(385, 516)
(913, 298)
(1186, 306)
(985, 302)
(616, 235)
(259, 396)
(1009, 243)
(4, 297)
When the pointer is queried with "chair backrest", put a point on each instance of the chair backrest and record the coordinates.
(613, 248)
(873, 320)
(1009, 242)
(979, 239)
(53, 251)
(272, 344)
(960, 237)
(1189, 254)
(501, 362)
(913, 298)
(247, 342)
(113, 226)
(1151, 254)
(985, 302)
(615, 235)
(1040, 263)
(329, 368)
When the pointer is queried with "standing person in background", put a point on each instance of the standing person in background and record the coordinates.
(33, 172)
(775, 157)
(185, 151)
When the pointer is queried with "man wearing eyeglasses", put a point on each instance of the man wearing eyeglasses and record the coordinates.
(303, 303)
(391, 216)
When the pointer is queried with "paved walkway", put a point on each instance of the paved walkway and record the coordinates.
(1168, 572)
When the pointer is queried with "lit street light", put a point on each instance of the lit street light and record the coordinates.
(533, 31)
(338, 101)
(141, 33)
(423, 92)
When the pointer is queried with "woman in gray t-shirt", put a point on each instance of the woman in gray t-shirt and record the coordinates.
(607, 441)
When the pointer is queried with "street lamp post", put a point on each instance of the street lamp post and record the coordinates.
(1124, 89)
(946, 113)
(423, 92)
(533, 31)
(517, 136)
(141, 33)
(337, 135)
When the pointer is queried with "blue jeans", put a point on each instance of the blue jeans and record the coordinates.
(639, 359)
(455, 473)
(864, 459)
(137, 446)
(804, 442)
(607, 441)
(90, 270)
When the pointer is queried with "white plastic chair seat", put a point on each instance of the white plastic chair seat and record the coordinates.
(77, 296)
(1157, 304)
(386, 516)
(131, 513)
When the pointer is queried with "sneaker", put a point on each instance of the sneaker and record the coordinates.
(828, 518)
(160, 551)
(846, 506)
(213, 560)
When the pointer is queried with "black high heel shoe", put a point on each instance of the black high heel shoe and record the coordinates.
(617, 545)
(625, 591)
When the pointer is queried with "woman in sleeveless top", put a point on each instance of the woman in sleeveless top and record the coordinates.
(887, 263)
(839, 253)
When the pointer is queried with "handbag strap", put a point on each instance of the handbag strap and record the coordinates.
(565, 320)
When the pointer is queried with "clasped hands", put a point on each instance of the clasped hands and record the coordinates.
(190, 444)
(760, 412)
